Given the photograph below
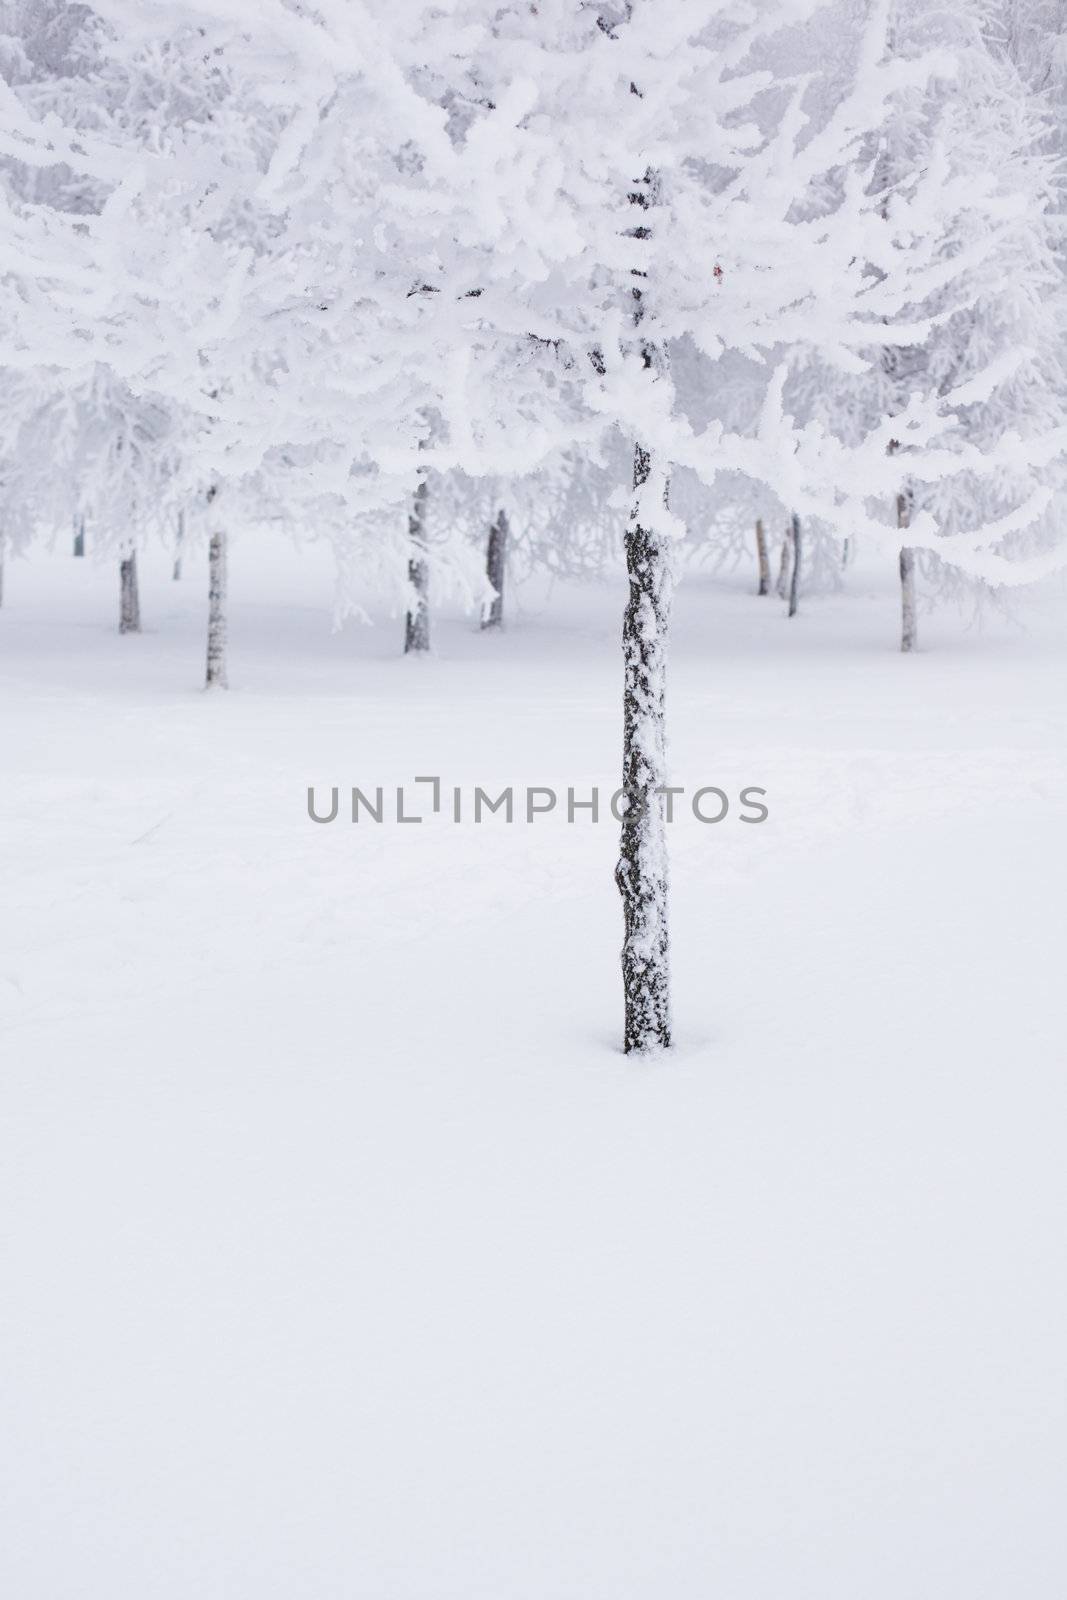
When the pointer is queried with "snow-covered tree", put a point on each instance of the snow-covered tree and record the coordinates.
(686, 192)
(978, 344)
(387, 248)
(94, 295)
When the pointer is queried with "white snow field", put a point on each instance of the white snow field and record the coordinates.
(347, 1258)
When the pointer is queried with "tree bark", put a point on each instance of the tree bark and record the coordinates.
(782, 586)
(79, 536)
(217, 637)
(909, 631)
(761, 555)
(794, 582)
(179, 543)
(417, 621)
(642, 870)
(129, 598)
(496, 558)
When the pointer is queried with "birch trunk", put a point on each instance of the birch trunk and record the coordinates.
(794, 582)
(417, 621)
(909, 633)
(216, 612)
(129, 598)
(178, 544)
(496, 557)
(642, 873)
(782, 586)
(761, 555)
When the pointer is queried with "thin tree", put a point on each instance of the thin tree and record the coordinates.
(762, 558)
(909, 635)
(782, 586)
(216, 604)
(794, 582)
(642, 871)
(417, 620)
(495, 566)
(129, 596)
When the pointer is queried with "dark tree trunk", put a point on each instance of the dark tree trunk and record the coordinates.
(79, 536)
(495, 561)
(761, 556)
(417, 621)
(782, 586)
(642, 870)
(216, 612)
(794, 582)
(129, 598)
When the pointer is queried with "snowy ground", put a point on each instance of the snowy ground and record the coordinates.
(346, 1258)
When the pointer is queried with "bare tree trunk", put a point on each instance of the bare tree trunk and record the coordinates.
(794, 582)
(178, 546)
(909, 631)
(846, 552)
(784, 563)
(642, 873)
(417, 621)
(642, 870)
(79, 536)
(129, 599)
(761, 555)
(495, 561)
(3, 550)
(216, 612)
